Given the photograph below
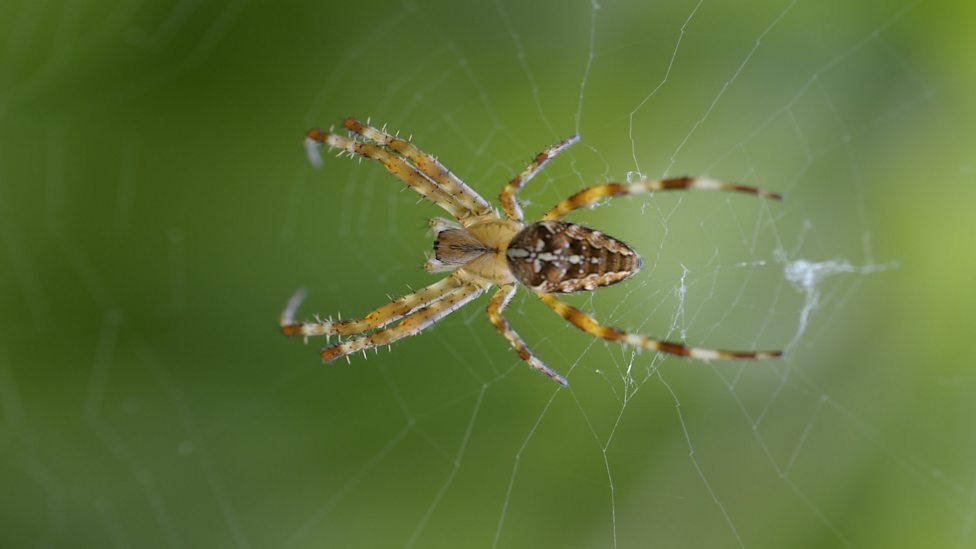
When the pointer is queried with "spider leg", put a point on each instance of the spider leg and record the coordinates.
(496, 305)
(411, 325)
(586, 323)
(507, 198)
(427, 164)
(393, 164)
(592, 194)
(378, 318)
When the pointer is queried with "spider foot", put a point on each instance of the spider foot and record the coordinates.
(290, 327)
(556, 377)
(312, 150)
(539, 366)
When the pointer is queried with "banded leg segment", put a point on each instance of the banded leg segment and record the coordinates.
(508, 198)
(393, 164)
(426, 163)
(411, 325)
(587, 323)
(393, 311)
(496, 305)
(592, 194)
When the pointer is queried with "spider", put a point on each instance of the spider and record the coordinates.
(481, 249)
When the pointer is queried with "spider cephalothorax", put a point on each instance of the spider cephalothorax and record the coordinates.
(483, 249)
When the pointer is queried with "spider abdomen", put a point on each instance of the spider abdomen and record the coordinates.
(560, 257)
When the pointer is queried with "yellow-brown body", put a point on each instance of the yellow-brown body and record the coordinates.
(548, 256)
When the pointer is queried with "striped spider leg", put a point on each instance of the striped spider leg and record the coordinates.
(508, 198)
(590, 195)
(400, 168)
(418, 310)
(392, 311)
(589, 325)
(413, 324)
(496, 305)
(427, 164)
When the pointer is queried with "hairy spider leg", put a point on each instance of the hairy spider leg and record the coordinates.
(411, 325)
(508, 198)
(592, 194)
(395, 310)
(396, 166)
(496, 305)
(427, 164)
(589, 325)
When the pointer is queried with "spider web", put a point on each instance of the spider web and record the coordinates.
(155, 207)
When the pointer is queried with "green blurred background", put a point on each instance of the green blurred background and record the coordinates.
(156, 211)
